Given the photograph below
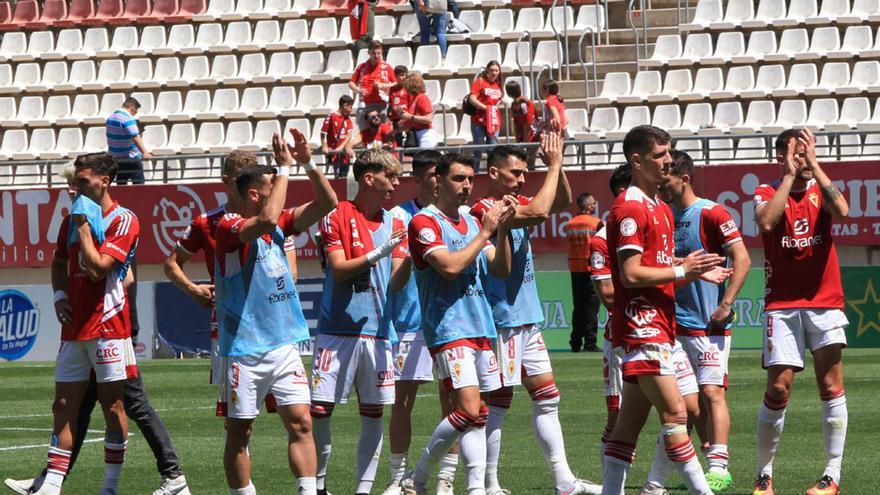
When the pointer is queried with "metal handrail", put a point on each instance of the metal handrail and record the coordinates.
(528, 35)
(561, 49)
(592, 33)
(442, 107)
(629, 12)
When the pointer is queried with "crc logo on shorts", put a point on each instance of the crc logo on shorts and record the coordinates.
(107, 355)
(628, 226)
(710, 357)
(597, 261)
(386, 377)
(19, 324)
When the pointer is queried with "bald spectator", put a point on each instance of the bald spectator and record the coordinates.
(124, 142)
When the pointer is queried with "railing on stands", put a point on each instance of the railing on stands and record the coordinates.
(442, 108)
(561, 48)
(531, 71)
(579, 154)
(629, 18)
(589, 30)
(607, 29)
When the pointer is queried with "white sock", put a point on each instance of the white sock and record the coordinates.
(771, 421)
(498, 407)
(619, 457)
(448, 465)
(444, 437)
(307, 486)
(660, 465)
(718, 458)
(114, 456)
(684, 458)
(548, 431)
(56, 469)
(250, 489)
(473, 451)
(834, 422)
(397, 462)
(323, 447)
(368, 450)
(606, 434)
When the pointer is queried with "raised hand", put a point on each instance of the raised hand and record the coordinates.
(299, 149)
(808, 139)
(281, 151)
(551, 149)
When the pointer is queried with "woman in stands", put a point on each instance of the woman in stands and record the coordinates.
(554, 109)
(419, 116)
(485, 95)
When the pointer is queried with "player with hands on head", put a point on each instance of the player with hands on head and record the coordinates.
(517, 314)
(795, 214)
(451, 253)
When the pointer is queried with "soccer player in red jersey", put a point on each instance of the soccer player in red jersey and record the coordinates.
(803, 302)
(92, 306)
(640, 245)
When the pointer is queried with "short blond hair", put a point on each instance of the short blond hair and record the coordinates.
(376, 160)
(236, 161)
(67, 173)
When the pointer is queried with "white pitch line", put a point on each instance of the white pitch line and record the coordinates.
(49, 415)
(18, 428)
(46, 445)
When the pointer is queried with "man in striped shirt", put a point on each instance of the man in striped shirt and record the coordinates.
(124, 142)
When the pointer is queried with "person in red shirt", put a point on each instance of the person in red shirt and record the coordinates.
(361, 22)
(398, 102)
(640, 245)
(803, 302)
(377, 135)
(92, 306)
(335, 133)
(418, 118)
(554, 110)
(486, 121)
(523, 109)
(372, 80)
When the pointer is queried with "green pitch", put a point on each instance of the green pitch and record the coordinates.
(178, 389)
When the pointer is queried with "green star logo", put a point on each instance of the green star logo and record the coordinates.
(868, 309)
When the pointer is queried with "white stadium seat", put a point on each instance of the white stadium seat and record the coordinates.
(856, 39)
(196, 102)
(736, 13)
(482, 55)
(739, 79)
(590, 17)
(865, 77)
(707, 81)
(253, 100)
(12, 44)
(208, 35)
(457, 57)
(798, 13)
(853, 112)
(95, 42)
(84, 106)
(222, 67)
(499, 21)
(266, 33)
(30, 107)
(770, 78)
(834, 75)
(830, 11)
(696, 116)
(211, 136)
(527, 19)
(309, 63)
(152, 37)
(696, 47)
(124, 38)
(666, 116)
(729, 45)
(825, 40)
(577, 121)
(676, 82)
(761, 44)
(791, 43)
(167, 69)
(399, 55)
(861, 10)
(223, 100)
(81, 72)
(407, 27)
(310, 96)
(96, 139)
(692, 147)
(334, 92)
(69, 45)
(849, 146)
(753, 149)
(728, 115)
(561, 19)
(179, 37)
(666, 47)
(792, 113)
(800, 77)
(614, 86)
(14, 142)
(70, 142)
(253, 66)
(239, 135)
(42, 142)
(632, 117)
(707, 12)
(39, 42)
(282, 68)
(167, 103)
(324, 29)
(454, 91)
(155, 136)
(602, 120)
(110, 71)
(823, 111)
(180, 136)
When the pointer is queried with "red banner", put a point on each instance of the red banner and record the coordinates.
(30, 218)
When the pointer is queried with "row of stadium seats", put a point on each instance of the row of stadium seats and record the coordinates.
(794, 44)
(740, 82)
(55, 13)
(199, 70)
(710, 14)
(761, 116)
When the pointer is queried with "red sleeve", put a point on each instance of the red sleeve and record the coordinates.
(763, 194)
(392, 77)
(524, 200)
(61, 242)
(388, 134)
(227, 233)
(481, 207)
(286, 221)
(330, 234)
(193, 239)
(476, 87)
(402, 249)
(632, 226)
(356, 75)
(719, 230)
(423, 105)
(121, 236)
(425, 237)
(328, 122)
(599, 266)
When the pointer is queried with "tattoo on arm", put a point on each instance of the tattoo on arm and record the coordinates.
(830, 192)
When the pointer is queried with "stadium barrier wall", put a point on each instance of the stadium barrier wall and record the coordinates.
(30, 332)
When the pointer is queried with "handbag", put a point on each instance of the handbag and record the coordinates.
(436, 6)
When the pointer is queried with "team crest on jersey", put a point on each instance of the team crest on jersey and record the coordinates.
(598, 261)
(316, 379)
(511, 365)
(814, 198)
(427, 236)
(628, 226)
(233, 397)
(456, 370)
(666, 355)
(400, 361)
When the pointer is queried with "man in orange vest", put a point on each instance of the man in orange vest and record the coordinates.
(584, 316)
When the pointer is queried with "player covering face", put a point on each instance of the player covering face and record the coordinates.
(451, 255)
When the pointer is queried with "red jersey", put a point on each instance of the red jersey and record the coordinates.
(376, 137)
(425, 236)
(643, 314)
(201, 236)
(398, 102)
(524, 120)
(336, 130)
(231, 251)
(367, 75)
(600, 267)
(420, 105)
(800, 267)
(335, 223)
(358, 17)
(553, 101)
(487, 93)
(101, 308)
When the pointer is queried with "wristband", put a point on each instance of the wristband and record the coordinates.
(308, 167)
(60, 295)
(374, 256)
(679, 272)
(284, 170)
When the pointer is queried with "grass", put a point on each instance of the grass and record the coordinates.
(178, 390)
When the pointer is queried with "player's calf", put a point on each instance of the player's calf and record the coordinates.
(498, 403)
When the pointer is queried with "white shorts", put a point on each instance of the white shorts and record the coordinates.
(412, 360)
(684, 373)
(463, 366)
(250, 378)
(709, 354)
(111, 359)
(521, 350)
(613, 375)
(788, 331)
(343, 362)
(652, 359)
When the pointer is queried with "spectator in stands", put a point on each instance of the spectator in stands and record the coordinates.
(335, 133)
(418, 119)
(584, 316)
(378, 134)
(361, 22)
(398, 103)
(554, 108)
(372, 80)
(525, 124)
(124, 142)
(485, 96)
(431, 23)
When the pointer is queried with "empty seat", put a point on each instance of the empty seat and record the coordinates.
(728, 115)
(407, 28)
(602, 120)
(14, 143)
(482, 55)
(196, 102)
(124, 38)
(180, 136)
(677, 81)
(454, 92)
(253, 100)
(614, 86)
(825, 40)
(222, 67)
(427, 58)
(707, 81)
(518, 57)
(42, 141)
(853, 112)
(310, 96)
(548, 53)
(27, 75)
(666, 116)
(95, 41)
(761, 44)
(29, 108)
(84, 106)
(791, 43)
(253, 66)
(69, 46)
(696, 116)
(310, 63)
(770, 78)
(739, 79)
(399, 55)
(282, 68)
(696, 47)
(179, 37)
(331, 103)
(527, 19)
(324, 29)
(865, 77)
(823, 111)
(792, 113)
(57, 108)
(834, 75)
(224, 100)
(70, 142)
(846, 147)
(239, 135)
(856, 40)
(136, 71)
(729, 45)
(293, 33)
(237, 34)
(457, 56)
(577, 121)
(830, 11)
(167, 70)
(208, 36)
(871, 150)
(340, 65)
(13, 44)
(246, 9)
(167, 103)
(693, 147)
(667, 46)
(632, 117)
(499, 21)
(217, 9)
(798, 12)
(464, 132)
(590, 17)
(800, 77)
(152, 38)
(473, 19)
(708, 12)
(266, 33)
(96, 139)
(155, 136)
(194, 69)
(752, 149)
(737, 12)
(861, 10)
(720, 151)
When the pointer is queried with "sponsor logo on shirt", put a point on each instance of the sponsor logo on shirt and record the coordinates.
(640, 311)
(597, 261)
(117, 248)
(628, 226)
(728, 228)
(801, 227)
(427, 236)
